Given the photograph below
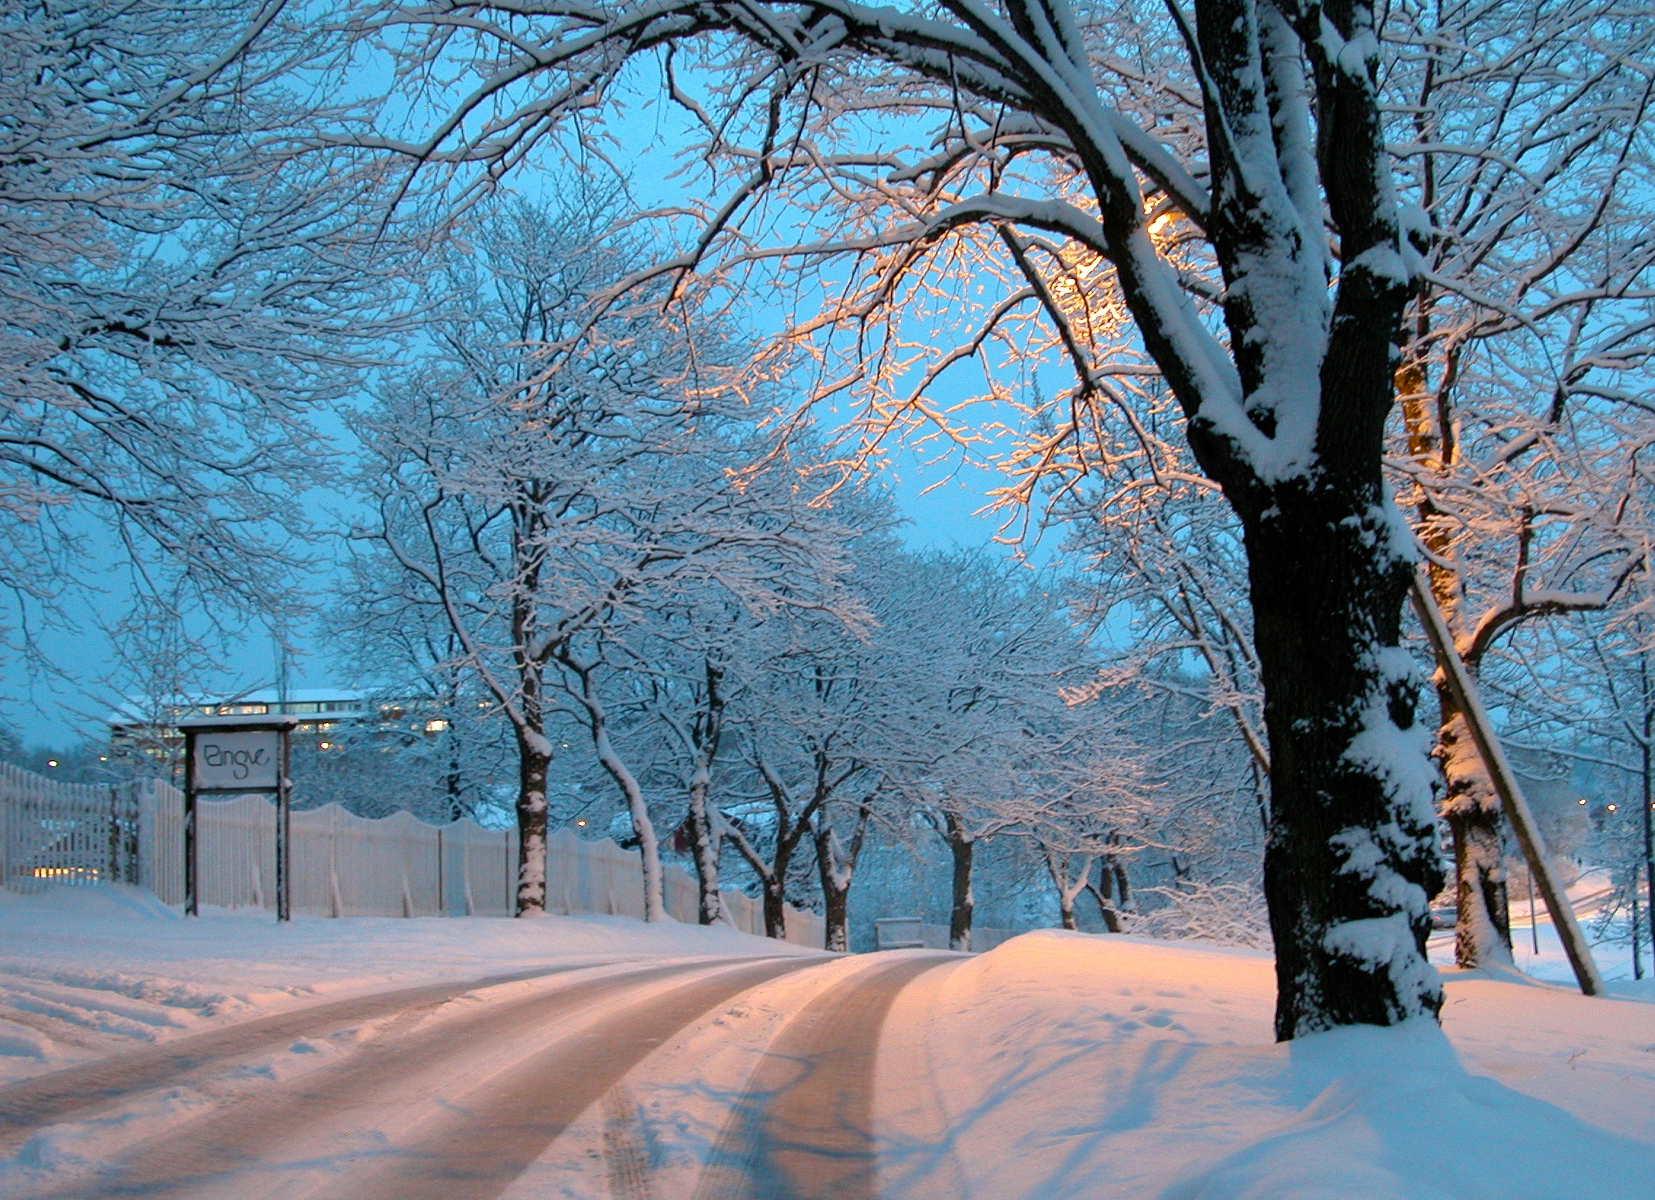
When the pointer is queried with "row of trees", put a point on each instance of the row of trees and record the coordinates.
(1337, 288)
(609, 559)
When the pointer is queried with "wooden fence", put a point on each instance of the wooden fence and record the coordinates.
(343, 865)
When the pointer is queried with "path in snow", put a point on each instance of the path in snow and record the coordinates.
(453, 1107)
(479, 1150)
(803, 1128)
(81, 1091)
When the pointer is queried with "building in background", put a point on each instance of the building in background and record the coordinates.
(330, 718)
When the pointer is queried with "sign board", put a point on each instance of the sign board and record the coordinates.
(237, 760)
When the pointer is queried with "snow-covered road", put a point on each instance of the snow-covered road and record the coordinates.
(451, 1092)
(447, 1100)
(603, 1059)
(804, 1124)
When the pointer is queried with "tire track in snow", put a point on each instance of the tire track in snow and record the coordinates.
(478, 1154)
(77, 1091)
(803, 1128)
(482, 1142)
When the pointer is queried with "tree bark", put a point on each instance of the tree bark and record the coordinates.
(1482, 925)
(1101, 893)
(704, 845)
(649, 850)
(1350, 861)
(705, 836)
(1648, 798)
(775, 912)
(961, 845)
(1351, 864)
(1057, 865)
(772, 878)
(597, 723)
(836, 867)
(534, 758)
(790, 827)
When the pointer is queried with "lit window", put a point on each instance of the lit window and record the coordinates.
(1613, 807)
(327, 745)
(435, 725)
(51, 762)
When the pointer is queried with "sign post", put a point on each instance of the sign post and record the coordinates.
(235, 756)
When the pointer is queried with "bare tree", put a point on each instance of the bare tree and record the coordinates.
(547, 511)
(189, 266)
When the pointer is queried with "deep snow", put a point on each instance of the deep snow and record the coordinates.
(1057, 1065)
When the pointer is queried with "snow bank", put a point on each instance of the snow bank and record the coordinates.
(1058, 1065)
(1070, 1065)
(86, 971)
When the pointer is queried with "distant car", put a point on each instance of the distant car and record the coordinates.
(1444, 918)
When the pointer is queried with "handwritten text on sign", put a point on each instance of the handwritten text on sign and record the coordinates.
(237, 760)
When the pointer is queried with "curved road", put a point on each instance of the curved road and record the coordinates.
(78, 1091)
(803, 1129)
(443, 1111)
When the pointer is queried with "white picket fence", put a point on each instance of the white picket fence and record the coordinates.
(342, 865)
(53, 832)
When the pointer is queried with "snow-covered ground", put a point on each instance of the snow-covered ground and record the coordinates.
(90, 971)
(1057, 1065)
(1538, 952)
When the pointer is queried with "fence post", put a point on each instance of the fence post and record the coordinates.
(114, 875)
(191, 908)
(284, 836)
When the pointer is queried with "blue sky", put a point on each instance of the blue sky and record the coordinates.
(940, 500)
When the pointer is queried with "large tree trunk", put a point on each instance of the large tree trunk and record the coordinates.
(1351, 861)
(1648, 805)
(534, 757)
(961, 845)
(1482, 926)
(835, 874)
